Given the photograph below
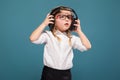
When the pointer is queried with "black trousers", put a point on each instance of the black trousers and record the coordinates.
(54, 74)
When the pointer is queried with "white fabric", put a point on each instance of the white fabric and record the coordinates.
(59, 54)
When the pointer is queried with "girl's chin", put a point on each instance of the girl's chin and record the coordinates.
(64, 30)
(66, 27)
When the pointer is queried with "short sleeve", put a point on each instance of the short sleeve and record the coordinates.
(42, 39)
(77, 44)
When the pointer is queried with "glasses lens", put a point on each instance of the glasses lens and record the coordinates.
(63, 17)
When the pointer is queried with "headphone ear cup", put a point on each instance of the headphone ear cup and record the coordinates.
(72, 27)
(51, 25)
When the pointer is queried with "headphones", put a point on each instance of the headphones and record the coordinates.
(57, 10)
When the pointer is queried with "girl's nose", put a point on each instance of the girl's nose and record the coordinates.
(66, 19)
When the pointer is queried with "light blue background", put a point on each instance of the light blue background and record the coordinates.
(22, 60)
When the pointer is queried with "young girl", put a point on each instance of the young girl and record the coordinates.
(59, 42)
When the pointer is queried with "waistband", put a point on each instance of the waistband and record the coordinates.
(49, 68)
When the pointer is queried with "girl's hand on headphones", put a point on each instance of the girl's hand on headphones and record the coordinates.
(78, 27)
(48, 20)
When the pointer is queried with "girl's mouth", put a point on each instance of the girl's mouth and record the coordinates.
(66, 24)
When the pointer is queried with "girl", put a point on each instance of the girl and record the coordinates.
(59, 42)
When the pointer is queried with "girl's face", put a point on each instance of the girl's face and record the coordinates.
(63, 20)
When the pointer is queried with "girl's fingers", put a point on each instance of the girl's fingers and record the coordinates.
(76, 25)
(50, 16)
(51, 19)
(51, 22)
(78, 21)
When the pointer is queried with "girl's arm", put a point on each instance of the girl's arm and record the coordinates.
(37, 32)
(82, 36)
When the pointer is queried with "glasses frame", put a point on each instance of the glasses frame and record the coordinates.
(64, 16)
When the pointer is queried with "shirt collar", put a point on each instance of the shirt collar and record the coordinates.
(60, 33)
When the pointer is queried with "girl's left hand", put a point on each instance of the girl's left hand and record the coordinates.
(78, 27)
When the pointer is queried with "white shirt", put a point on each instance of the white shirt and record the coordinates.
(59, 54)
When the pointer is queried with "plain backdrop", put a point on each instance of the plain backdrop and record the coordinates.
(22, 60)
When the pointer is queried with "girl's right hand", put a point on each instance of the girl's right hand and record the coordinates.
(48, 20)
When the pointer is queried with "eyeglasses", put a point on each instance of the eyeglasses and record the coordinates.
(63, 17)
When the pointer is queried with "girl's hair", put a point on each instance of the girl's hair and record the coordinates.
(52, 27)
(57, 10)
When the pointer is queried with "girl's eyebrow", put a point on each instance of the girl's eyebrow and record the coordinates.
(64, 14)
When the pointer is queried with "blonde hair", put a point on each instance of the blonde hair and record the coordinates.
(68, 34)
(52, 26)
